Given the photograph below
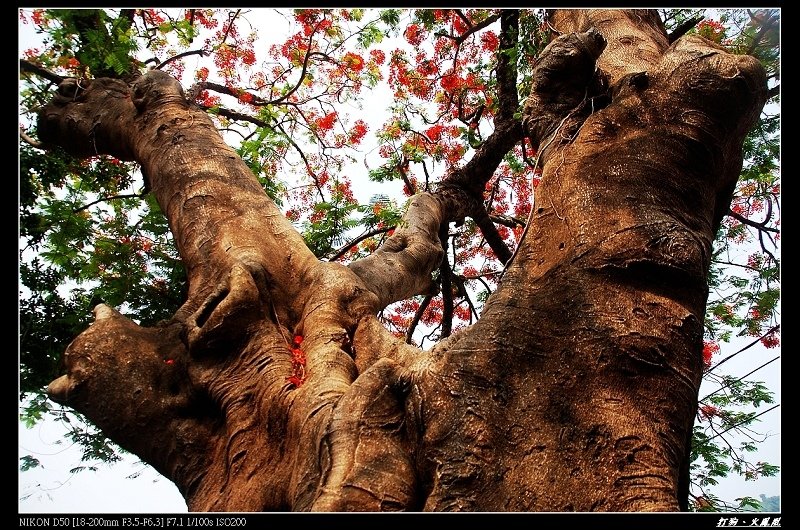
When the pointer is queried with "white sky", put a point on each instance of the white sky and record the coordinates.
(53, 489)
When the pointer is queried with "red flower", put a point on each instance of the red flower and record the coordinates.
(353, 61)
(489, 41)
(38, 17)
(298, 362)
(414, 34)
(709, 411)
(450, 82)
(295, 380)
(459, 25)
(435, 133)
(771, 340)
(709, 349)
(358, 131)
(378, 56)
(711, 30)
(248, 57)
(327, 122)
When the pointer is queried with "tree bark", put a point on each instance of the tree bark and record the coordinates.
(577, 388)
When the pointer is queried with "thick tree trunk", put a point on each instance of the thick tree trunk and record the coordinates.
(577, 388)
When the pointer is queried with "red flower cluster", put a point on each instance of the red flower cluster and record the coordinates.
(298, 376)
(712, 30)
(450, 82)
(489, 41)
(771, 340)
(39, 18)
(153, 17)
(201, 74)
(754, 260)
(426, 67)
(327, 122)
(353, 61)
(248, 57)
(435, 132)
(294, 49)
(357, 132)
(710, 348)
(207, 100)
(459, 25)
(414, 34)
(307, 16)
(344, 189)
(378, 56)
(204, 16)
(462, 311)
(709, 411)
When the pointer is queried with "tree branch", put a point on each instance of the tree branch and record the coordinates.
(506, 220)
(447, 285)
(401, 168)
(109, 198)
(745, 221)
(726, 384)
(345, 248)
(474, 175)
(683, 28)
(746, 420)
(201, 53)
(417, 316)
(27, 66)
(238, 116)
(473, 28)
(29, 140)
(305, 160)
(128, 14)
(506, 67)
(492, 236)
(402, 266)
(773, 329)
(766, 26)
(463, 17)
(231, 20)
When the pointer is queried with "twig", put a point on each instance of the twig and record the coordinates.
(109, 198)
(724, 385)
(35, 143)
(683, 28)
(201, 53)
(344, 249)
(729, 357)
(417, 316)
(746, 420)
(27, 66)
(745, 221)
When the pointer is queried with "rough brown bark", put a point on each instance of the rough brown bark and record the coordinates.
(575, 391)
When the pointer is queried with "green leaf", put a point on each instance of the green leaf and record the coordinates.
(28, 462)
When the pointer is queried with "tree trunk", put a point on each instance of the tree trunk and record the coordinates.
(577, 388)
